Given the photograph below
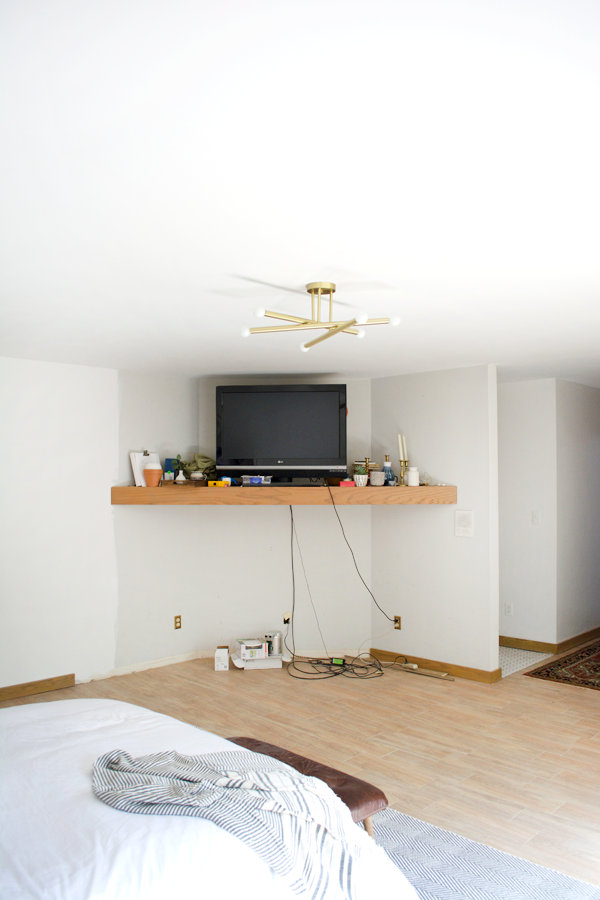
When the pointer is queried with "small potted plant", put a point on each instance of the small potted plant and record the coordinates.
(360, 476)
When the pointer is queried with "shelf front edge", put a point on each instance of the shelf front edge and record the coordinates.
(283, 495)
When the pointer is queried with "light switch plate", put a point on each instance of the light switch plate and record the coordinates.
(463, 523)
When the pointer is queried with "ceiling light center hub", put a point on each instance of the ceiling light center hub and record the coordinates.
(326, 287)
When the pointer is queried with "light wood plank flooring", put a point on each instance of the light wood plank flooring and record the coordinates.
(515, 765)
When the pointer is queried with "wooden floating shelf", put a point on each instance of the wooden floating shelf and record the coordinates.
(176, 495)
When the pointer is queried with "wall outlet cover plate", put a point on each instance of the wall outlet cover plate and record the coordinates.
(463, 523)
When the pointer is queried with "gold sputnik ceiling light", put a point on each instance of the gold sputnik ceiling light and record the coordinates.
(317, 291)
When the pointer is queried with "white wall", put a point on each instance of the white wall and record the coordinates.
(225, 570)
(158, 413)
(578, 464)
(58, 573)
(528, 482)
(444, 587)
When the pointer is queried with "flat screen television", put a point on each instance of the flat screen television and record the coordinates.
(284, 430)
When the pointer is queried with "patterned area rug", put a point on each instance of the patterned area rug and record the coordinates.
(441, 865)
(581, 668)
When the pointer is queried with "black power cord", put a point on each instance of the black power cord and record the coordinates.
(315, 669)
(390, 618)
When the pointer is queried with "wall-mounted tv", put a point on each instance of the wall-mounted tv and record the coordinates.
(283, 430)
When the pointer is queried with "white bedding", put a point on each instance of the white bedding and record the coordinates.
(59, 842)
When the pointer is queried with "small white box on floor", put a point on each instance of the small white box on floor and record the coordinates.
(222, 659)
(251, 648)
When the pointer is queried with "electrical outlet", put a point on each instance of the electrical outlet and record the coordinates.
(398, 622)
(177, 621)
(509, 609)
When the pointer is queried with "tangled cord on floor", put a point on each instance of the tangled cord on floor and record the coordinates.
(314, 669)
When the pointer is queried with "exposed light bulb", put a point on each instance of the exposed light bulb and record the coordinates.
(304, 349)
(259, 313)
(395, 320)
(245, 332)
(361, 333)
(361, 318)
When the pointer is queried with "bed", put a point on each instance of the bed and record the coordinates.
(60, 842)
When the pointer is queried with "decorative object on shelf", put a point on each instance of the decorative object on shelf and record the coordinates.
(317, 290)
(402, 447)
(181, 479)
(153, 474)
(413, 477)
(390, 478)
(367, 465)
(171, 467)
(200, 463)
(348, 482)
(403, 460)
(360, 476)
(377, 479)
(425, 479)
(139, 461)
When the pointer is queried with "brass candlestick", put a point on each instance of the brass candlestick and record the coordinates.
(403, 469)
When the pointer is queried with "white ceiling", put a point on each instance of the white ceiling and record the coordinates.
(439, 160)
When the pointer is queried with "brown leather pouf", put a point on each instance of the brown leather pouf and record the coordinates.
(362, 798)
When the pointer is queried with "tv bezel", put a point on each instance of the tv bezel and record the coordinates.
(293, 467)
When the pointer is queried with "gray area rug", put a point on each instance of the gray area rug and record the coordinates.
(441, 865)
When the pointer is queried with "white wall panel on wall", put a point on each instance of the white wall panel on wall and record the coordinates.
(58, 574)
(528, 484)
(157, 413)
(578, 537)
(227, 572)
(444, 587)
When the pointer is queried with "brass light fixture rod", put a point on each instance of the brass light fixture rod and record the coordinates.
(305, 326)
(316, 289)
(330, 333)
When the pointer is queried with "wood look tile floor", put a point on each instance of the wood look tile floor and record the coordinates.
(515, 765)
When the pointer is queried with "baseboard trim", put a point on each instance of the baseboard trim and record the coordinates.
(458, 671)
(520, 644)
(13, 691)
(544, 647)
(591, 635)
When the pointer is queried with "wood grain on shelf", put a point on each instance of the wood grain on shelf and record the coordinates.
(281, 495)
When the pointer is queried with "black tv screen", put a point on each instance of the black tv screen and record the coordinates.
(288, 430)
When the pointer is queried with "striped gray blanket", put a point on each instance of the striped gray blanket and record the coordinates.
(294, 822)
